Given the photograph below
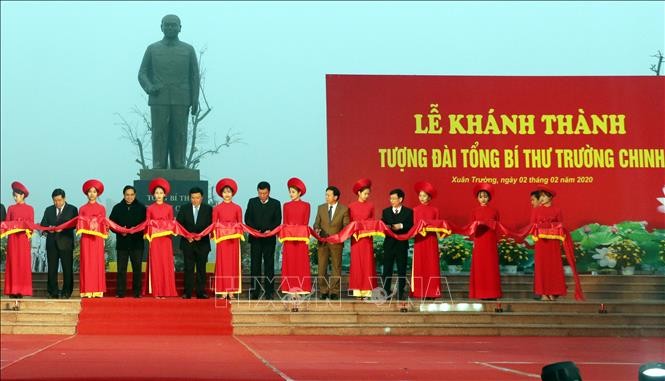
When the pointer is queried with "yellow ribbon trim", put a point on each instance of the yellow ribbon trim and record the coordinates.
(92, 232)
(440, 232)
(28, 232)
(549, 236)
(365, 235)
(227, 237)
(158, 235)
(362, 293)
(291, 239)
(92, 294)
(297, 293)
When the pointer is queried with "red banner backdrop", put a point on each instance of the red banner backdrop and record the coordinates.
(598, 141)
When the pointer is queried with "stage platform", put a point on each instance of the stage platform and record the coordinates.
(451, 338)
(616, 306)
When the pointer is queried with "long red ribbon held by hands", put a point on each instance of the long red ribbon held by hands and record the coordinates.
(356, 230)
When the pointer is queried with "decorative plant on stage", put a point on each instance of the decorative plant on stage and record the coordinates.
(581, 255)
(313, 248)
(3, 250)
(512, 253)
(597, 239)
(626, 253)
(455, 249)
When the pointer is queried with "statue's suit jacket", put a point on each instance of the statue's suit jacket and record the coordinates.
(174, 69)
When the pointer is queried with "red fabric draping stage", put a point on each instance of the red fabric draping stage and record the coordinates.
(94, 357)
(148, 316)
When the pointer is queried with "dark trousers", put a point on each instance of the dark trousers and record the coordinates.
(136, 256)
(396, 253)
(56, 256)
(169, 135)
(263, 250)
(195, 256)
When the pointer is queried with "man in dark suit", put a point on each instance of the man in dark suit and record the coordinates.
(263, 214)
(399, 219)
(3, 212)
(331, 217)
(60, 245)
(195, 217)
(129, 213)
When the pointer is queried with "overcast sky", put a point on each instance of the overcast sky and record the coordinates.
(68, 67)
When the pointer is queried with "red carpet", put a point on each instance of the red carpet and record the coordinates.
(92, 357)
(148, 316)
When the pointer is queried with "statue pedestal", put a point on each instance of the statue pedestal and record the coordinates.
(181, 180)
(170, 174)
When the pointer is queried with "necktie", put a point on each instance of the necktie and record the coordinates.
(57, 213)
(330, 213)
(196, 213)
(395, 211)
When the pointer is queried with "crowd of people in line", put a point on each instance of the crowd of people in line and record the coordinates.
(265, 221)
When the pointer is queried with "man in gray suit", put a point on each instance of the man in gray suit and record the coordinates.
(169, 74)
(331, 217)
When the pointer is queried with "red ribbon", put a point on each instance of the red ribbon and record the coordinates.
(355, 229)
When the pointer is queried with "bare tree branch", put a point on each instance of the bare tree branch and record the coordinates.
(135, 137)
(230, 139)
(656, 68)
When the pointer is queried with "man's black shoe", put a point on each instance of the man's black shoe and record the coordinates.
(334, 297)
(185, 296)
(202, 296)
(323, 296)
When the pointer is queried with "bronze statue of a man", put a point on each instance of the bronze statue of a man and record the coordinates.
(169, 73)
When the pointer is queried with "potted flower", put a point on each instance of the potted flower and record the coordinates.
(583, 260)
(454, 250)
(511, 254)
(627, 254)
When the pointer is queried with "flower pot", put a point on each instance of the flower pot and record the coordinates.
(454, 269)
(509, 269)
(628, 270)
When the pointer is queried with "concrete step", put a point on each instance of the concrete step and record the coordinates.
(37, 304)
(560, 306)
(39, 316)
(41, 328)
(465, 317)
(446, 318)
(7, 317)
(449, 330)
